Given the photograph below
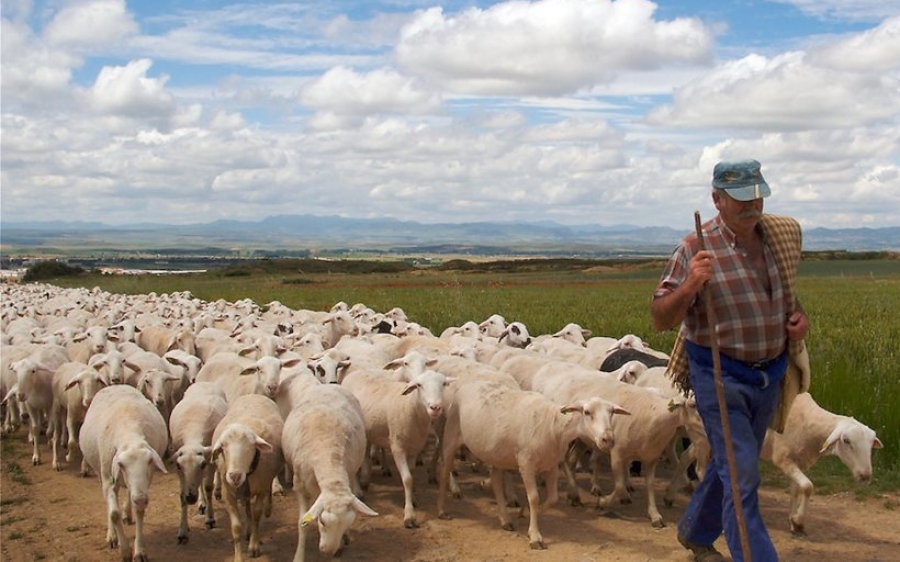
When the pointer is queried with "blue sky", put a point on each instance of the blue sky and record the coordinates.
(575, 111)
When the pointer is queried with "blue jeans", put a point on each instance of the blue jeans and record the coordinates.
(751, 397)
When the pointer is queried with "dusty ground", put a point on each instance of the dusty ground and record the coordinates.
(45, 515)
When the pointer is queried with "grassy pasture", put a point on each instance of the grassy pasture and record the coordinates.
(853, 307)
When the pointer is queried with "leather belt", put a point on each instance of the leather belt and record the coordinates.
(760, 365)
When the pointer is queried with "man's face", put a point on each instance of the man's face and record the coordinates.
(740, 216)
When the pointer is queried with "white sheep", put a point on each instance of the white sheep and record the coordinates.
(159, 339)
(191, 426)
(644, 436)
(247, 451)
(492, 326)
(90, 342)
(811, 432)
(122, 440)
(513, 429)
(324, 443)
(260, 377)
(515, 335)
(74, 386)
(8, 380)
(330, 366)
(398, 417)
(34, 384)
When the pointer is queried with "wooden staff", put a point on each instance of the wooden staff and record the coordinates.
(723, 409)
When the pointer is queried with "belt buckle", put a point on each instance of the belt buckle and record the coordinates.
(760, 365)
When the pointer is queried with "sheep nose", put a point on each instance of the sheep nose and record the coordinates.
(605, 442)
(190, 498)
(236, 478)
(864, 477)
(434, 411)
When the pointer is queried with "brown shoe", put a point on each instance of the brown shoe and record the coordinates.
(701, 553)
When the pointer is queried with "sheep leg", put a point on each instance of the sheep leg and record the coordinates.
(303, 506)
(35, 420)
(500, 495)
(535, 540)
(656, 518)
(620, 490)
(128, 515)
(365, 472)
(54, 434)
(551, 481)
(257, 507)
(72, 441)
(409, 512)
(448, 450)
(206, 498)
(595, 474)
(229, 498)
(801, 491)
(140, 553)
(115, 531)
(572, 495)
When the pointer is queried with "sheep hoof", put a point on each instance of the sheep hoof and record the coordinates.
(625, 501)
(182, 539)
(210, 523)
(445, 516)
(575, 501)
(797, 529)
(537, 545)
(508, 527)
(657, 523)
(410, 524)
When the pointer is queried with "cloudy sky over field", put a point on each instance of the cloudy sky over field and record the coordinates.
(574, 111)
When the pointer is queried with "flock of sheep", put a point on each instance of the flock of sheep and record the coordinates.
(236, 398)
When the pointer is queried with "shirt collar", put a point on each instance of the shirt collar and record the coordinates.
(729, 235)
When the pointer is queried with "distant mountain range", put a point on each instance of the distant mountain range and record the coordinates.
(318, 233)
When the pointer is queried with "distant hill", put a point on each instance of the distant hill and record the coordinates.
(317, 233)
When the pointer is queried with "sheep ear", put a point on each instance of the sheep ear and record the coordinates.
(72, 383)
(215, 451)
(116, 469)
(250, 370)
(877, 444)
(620, 410)
(174, 361)
(362, 508)
(263, 445)
(409, 388)
(573, 408)
(828, 445)
(158, 462)
(313, 513)
(431, 362)
(395, 364)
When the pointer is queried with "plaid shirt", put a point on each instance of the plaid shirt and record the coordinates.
(751, 320)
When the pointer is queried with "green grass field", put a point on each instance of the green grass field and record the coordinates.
(853, 307)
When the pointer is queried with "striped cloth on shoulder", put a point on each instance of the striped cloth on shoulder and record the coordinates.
(784, 238)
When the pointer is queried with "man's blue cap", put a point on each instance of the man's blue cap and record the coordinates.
(742, 180)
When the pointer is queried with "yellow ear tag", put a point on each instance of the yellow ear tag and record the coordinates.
(307, 519)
